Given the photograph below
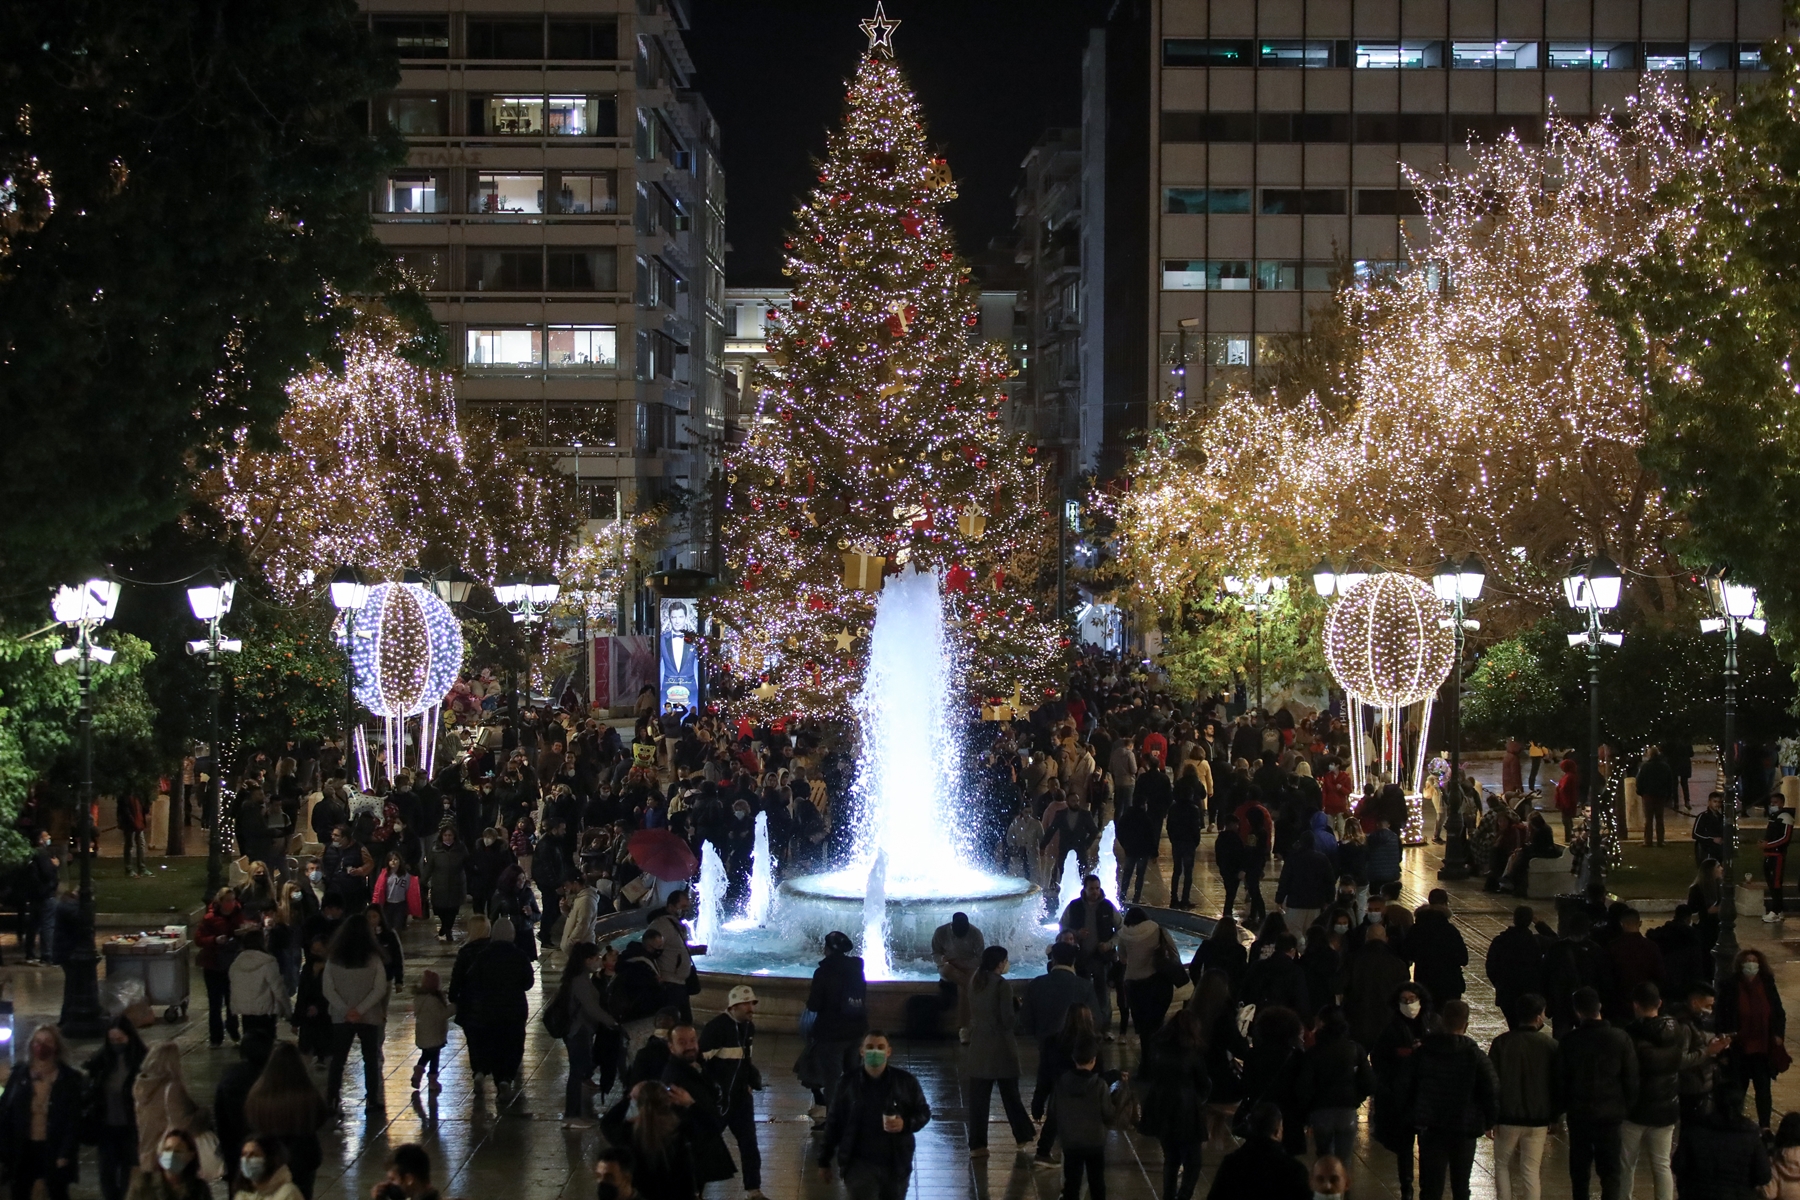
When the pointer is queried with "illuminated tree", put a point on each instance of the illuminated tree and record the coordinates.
(377, 470)
(878, 441)
(1480, 402)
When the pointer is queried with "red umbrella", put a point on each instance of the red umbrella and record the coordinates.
(662, 854)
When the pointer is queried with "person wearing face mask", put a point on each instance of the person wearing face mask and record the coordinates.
(348, 868)
(1700, 1059)
(613, 1174)
(40, 1113)
(869, 1134)
(176, 1175)
(1330, 1179)
(487, 859)
(1392, 1061)
(110, 1117)
(1749, 1008)
(263, 1173)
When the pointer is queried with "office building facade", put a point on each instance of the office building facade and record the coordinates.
(1276, 133)
(564, 204)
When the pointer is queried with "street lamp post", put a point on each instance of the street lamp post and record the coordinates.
(1458, 585)
(84, 609)
(349, 592)
(210, 599)
(528, 599)
(1258, 596)
(1736, 605)
(1592, 589)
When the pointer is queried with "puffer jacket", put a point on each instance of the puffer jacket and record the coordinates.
(1661, 1045)
(1699, 1070)
(257, 988)
(1453, 1086)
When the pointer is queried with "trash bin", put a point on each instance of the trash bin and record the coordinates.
(159, 962)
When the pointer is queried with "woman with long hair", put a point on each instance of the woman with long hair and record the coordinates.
(579, 999)
(992, 1056)
(161, 1098)
(647, 1121)
(40, 1118)
(111, 1117)
(1056, 1058)
(356, 991)
(1221, 951)
(263, 1173)
(1175, 1106)
(1749, 1005)
(174, 1176)
(1215, 1011)
(284, 1106)
(1272, 1067)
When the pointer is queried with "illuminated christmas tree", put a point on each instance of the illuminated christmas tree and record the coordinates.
(879, 444)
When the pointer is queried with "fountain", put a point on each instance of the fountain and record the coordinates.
(911, 864)
(762, 876)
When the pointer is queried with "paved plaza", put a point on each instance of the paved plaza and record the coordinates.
(526, 1152)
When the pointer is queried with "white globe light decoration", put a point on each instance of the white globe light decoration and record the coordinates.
(405, 652)
(1388, 645)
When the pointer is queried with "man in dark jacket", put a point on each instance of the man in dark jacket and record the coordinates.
(1721, 1157)
(725, 1046)
(703, 1121)
(1260, 1167)
(1635, 960)
(1185, 822)
(1042, 1011)
(1437, 949)
(1137, 845)
(1454, 1099)
(1307, 884)
(1699, 1065)
(1684, 959)
(838, 996)
(874, 1114)
(1232, 858)
(1524, 1059)
(1572, 962)
(1597, 1076)
(1656, 791)
(1649, 1127)
(1279, 980)
(1515, 962)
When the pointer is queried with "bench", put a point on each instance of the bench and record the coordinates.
(1549, 877)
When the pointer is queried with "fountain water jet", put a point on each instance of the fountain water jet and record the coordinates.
(710, 919)
(875, 927)
(762, 876)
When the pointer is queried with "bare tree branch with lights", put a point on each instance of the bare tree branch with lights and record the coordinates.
(1479, 402)
(878, 441)
(377, 469)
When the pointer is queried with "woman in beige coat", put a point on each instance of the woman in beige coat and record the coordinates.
(162, 1101)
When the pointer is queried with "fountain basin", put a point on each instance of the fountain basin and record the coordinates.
(1007, 910)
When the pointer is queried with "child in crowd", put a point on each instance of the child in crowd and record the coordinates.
(431, 1027)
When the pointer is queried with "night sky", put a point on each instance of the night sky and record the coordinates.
(992, 75)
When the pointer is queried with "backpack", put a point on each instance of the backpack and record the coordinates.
(557, 1017)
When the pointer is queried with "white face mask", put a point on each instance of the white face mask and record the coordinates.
(1409, 1009)
(1751, 969)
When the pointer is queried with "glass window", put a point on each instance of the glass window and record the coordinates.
(1201, 275)
(587, 192)
(1208, 127)
(1467, 127)
(1304, 201)
(581, 116)
(582, 269)
(415, 192)
(1228, 349)
(1399, 127)
(1750, 57)
(1392, 56)
(413, 37)
(1283, 53)
(1585, 56)
(1370, 270)
(507, 114)
(1206, 200)
(1288, 276)
(586, 41)
(1388, 202)
(1665, 56)
(506, 39)
(416, 115)
(429, 266)
(491, 270)
(1490, 56)
(586, 424)
(506, 193)
(583, 346)
(1201, 52)
(1303, 127)
(505, 348)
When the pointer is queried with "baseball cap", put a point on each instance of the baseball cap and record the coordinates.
(741, 994)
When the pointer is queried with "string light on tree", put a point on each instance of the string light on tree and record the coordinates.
(874, 445)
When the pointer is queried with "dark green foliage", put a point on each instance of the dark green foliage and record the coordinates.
(187, 189)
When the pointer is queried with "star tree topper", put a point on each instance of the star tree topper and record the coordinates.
(880, 32)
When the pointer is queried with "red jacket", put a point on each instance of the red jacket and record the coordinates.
(1568, 788)
(217, 936)
(1334, 791)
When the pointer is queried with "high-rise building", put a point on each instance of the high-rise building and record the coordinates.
(564, 203)
(1272, 136)
(1047, 251)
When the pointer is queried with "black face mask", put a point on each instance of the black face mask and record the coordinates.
(606, 1191)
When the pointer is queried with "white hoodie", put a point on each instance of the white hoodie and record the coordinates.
(257, 988)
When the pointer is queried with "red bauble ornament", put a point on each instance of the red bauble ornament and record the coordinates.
(912, 224)
(958, 579)
(972, 321)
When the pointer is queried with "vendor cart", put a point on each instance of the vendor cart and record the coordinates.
(159, 962)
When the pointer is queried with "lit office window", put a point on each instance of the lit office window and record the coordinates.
(1206, 200)
(1665, 56)
(505, 348)
(1283, 53)
(413, 37)
(1585, 56)
(1228, 349)
(1289, 276)
(506, 194)
(574, 346)
(417, 115)
(587, 192)
(1398, 56)
(416, 192)
(1203, 275)
(1202, 52)
(1490, 56)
